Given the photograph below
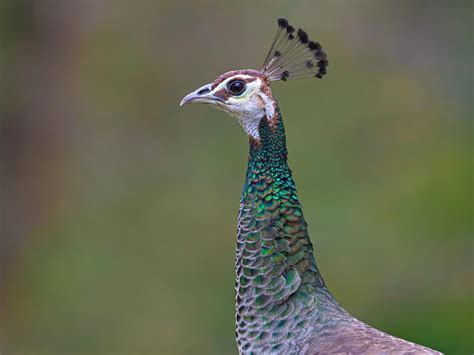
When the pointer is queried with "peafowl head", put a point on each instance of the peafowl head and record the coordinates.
(246, 94)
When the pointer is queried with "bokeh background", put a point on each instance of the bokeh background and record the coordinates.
(118, 207)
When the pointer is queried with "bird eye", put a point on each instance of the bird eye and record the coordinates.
(236, 87)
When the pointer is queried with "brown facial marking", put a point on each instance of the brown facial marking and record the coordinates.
(223, 94)
(254, 142)
(265, 88)
(261, 102)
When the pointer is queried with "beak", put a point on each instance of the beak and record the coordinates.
(203, 94)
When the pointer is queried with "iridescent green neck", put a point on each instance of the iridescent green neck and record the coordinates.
(276, 274)
(272, 144)
(270, 188)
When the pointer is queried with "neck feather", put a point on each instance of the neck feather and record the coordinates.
(276, 271)
(270, 192)
(270, 147)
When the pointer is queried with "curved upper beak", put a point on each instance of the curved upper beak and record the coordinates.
(203, 94)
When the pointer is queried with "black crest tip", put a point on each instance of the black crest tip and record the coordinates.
(323, 63)
(294, 55)
(282, 22)
(312, 45)
(303, 36)
(320, 55)
(315, 46)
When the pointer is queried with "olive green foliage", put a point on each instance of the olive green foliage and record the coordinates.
(120, 207)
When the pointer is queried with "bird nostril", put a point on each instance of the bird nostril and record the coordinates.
(203, 91)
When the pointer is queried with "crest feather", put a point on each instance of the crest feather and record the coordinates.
(293, 56)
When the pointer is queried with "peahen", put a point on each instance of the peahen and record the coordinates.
(282, 303)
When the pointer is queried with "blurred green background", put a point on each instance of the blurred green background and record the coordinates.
(118, 207)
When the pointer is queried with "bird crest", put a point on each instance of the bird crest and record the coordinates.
(293, 55)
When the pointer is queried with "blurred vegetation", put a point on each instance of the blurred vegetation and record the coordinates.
(119, 208)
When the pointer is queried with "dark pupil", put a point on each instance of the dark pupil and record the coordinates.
(237, 87)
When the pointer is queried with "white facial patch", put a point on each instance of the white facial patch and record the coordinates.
(248, 108)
